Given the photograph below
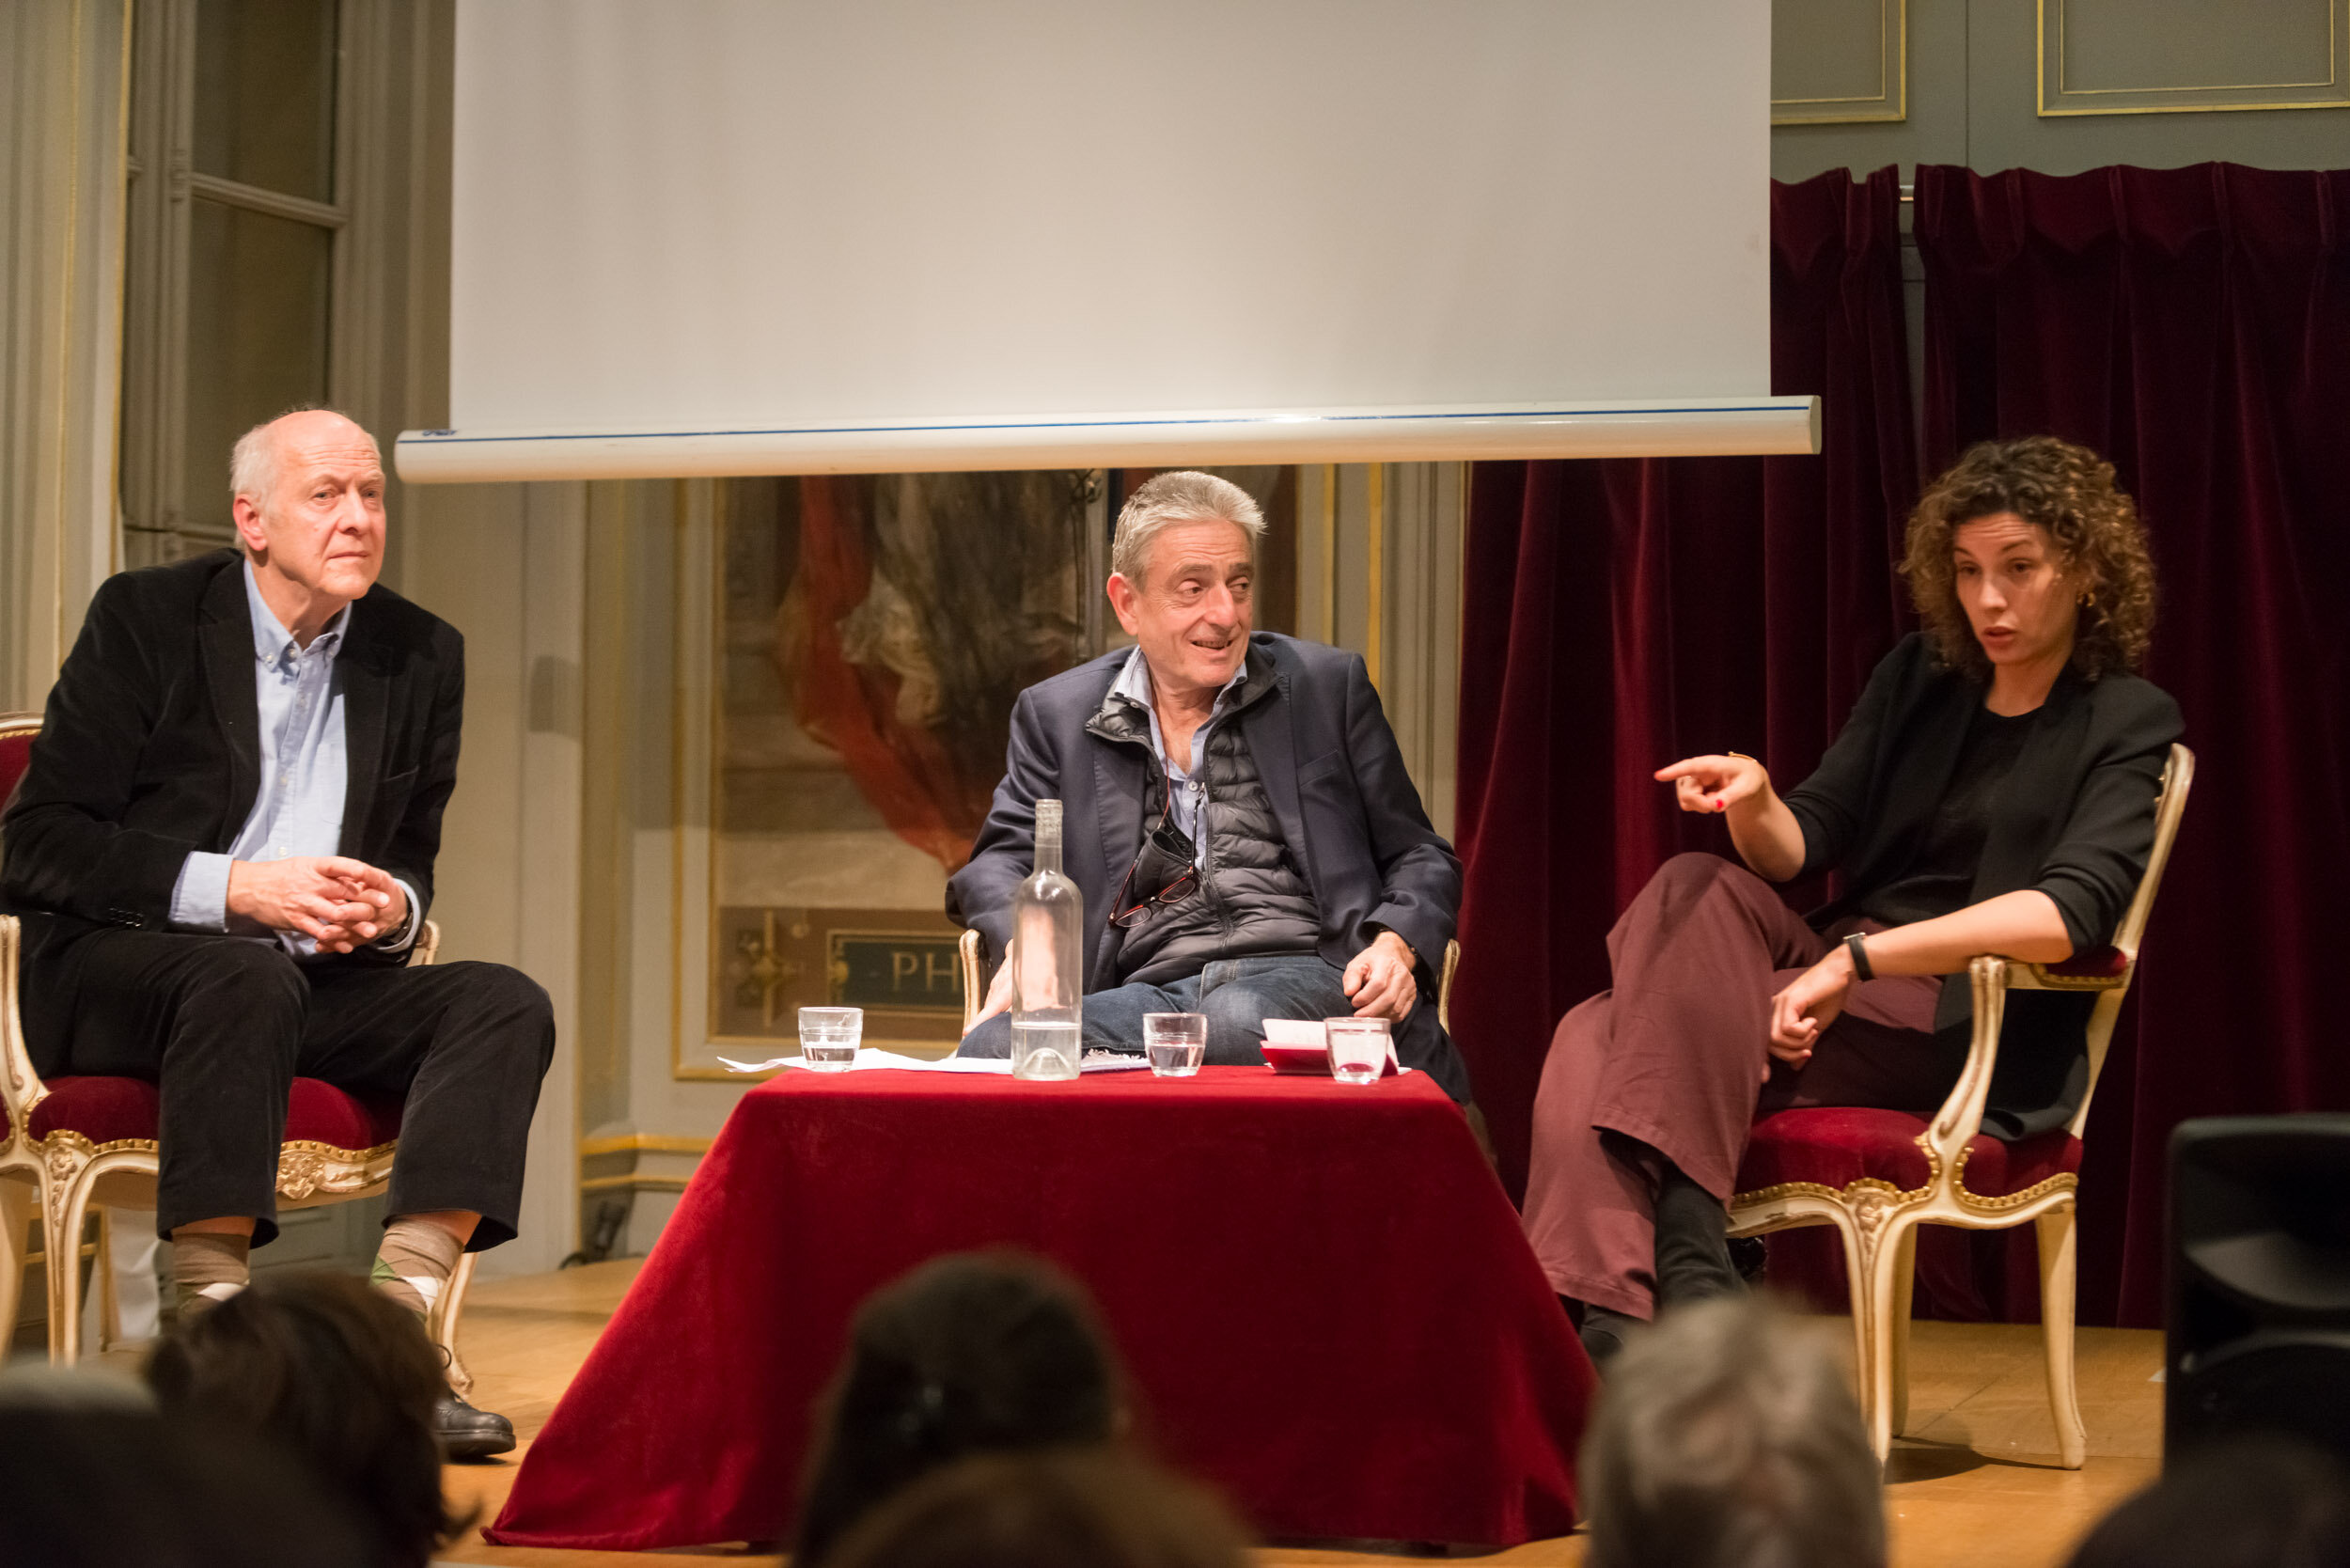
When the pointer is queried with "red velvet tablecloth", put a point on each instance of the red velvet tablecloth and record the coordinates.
(1319, 1290)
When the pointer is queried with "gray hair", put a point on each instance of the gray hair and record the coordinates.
(252, 462)
(1725, 1437)
(1186, 495)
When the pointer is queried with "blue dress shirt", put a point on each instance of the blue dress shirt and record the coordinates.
(1185, 782)
(306, 769)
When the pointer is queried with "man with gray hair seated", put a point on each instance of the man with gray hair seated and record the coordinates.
(1725, 1438)
(222, 855)
(1239, 819)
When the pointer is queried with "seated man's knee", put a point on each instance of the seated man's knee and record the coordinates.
(508, 990)
(501, 991)
(992, 1039)
(1235, 1017)
(508, 1004)
(255, 978)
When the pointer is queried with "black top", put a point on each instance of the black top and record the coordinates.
(1941, 873)
(2074, 818)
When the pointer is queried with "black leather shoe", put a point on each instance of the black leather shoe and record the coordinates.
(469, 1434)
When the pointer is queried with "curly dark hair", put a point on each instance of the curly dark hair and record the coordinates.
(336, 1374)
(2067, 491)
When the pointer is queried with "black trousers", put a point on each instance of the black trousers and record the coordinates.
(223, 1026)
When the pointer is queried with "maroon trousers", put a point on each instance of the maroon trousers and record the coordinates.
(1673, 1063)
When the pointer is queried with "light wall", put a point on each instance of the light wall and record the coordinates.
(1974, 84)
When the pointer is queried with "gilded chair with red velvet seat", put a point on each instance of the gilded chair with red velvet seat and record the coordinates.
(1877, 1175)
(78, 1142)
(20, 1170)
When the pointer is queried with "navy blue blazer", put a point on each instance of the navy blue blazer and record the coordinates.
(1348, 812)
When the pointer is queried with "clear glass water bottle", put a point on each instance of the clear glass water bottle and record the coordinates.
(1048, 961)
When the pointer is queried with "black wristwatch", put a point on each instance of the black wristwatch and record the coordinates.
(399, 933)
(1859, 947)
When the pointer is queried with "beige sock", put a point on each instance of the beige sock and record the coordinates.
(208, 1266)
(416, 1260)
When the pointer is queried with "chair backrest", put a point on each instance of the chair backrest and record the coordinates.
(2178, 777)
(16, 749)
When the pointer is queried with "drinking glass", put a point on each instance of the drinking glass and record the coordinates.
(830, 1036)
(1176, 1042)
(1358, 1048)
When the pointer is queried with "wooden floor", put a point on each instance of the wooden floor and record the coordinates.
(1976, 1483)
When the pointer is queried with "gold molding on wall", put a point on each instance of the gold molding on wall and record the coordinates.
(643, 1143)
(1890, 101)
(633, 1182)
(2057, 100)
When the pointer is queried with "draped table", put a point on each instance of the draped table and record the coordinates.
(1320, 1292)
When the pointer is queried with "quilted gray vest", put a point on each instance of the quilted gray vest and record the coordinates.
(1253, 901)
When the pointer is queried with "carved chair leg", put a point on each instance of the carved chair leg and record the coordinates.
(2056, 1276)
(102, 1275)
(1904, 1288)
(16, 1215)
(443, 1324)
(69, 1207)
(1857, 1266)
(1873, 1293)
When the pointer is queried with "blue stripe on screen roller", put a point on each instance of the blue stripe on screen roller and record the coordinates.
(450, 437)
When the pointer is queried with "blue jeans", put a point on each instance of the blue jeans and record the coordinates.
(1236, 994)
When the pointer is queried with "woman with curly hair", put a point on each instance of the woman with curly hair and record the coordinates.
(1993, 793)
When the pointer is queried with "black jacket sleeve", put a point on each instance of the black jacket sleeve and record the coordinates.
(1420, 898)
(2092, 870)
(415, 843)
(67, 850)
(1832, 805)
(980, 895)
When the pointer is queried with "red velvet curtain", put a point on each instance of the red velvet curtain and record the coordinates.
(2194, 327)
(1620, 614)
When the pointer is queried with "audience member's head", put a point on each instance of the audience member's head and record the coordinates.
(109, 1485)
(2252, 1503)
(1070, 1508)
(338, 1376)
(971, 1353)
(1725, 1437)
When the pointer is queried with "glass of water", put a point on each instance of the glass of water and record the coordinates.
(1176, 1042)
(830, 1036)
(1358, 1048)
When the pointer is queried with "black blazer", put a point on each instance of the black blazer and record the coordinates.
(150, 750)
(1330, 766)
(2076, 820)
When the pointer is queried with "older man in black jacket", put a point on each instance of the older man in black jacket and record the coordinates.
(1238, 817)
(221, 854)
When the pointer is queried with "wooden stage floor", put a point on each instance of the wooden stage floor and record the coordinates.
(1977, 1483)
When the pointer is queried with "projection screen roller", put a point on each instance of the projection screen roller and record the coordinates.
(745, 236)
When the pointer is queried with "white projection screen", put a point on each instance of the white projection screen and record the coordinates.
(762, 236)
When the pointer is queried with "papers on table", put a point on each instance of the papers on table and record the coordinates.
(1289, 1042)
(869, 1058)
